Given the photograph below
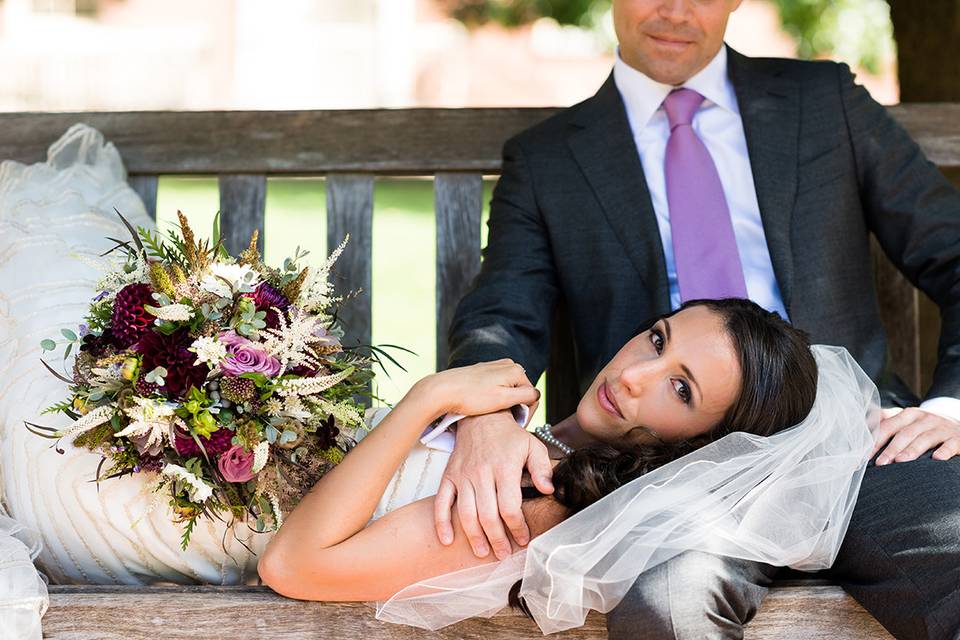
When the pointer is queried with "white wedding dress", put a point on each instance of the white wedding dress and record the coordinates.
(50, 214)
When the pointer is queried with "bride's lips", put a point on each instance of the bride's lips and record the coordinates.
(607, 401)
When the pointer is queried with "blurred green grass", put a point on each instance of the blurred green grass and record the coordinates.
(404, 255)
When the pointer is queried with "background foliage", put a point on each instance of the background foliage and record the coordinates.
(858, 32)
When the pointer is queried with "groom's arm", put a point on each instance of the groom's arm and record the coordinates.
(505, 314)
(915, 214)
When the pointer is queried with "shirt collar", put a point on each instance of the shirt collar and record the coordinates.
(642, 95)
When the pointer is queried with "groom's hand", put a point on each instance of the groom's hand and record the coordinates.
(911, 432)
(483, 477)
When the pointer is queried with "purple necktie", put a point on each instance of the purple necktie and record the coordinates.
(704, 247)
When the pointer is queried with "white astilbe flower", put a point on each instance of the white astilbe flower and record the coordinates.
(293, 408)
(209, 350)
(344, 412)
(315, 293)
(312, 386)
(275, 507)
(260, 454)
(291, 342)
(93, 419)
(199, 490)
(153, 420)
(234, 275)
(113, 268)
(173, 312)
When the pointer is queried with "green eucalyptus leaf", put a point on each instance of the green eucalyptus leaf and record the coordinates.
(271, 433)
(69, 335)
(48, 344)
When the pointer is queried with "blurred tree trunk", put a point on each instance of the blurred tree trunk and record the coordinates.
(928, 49)
(928, 60)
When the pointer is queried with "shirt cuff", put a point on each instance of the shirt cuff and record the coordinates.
(438, 434)
(943, 406)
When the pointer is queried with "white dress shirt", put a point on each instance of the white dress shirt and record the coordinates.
(719, 126)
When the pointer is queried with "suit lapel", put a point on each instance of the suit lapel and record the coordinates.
(770, 110)
(603, 146)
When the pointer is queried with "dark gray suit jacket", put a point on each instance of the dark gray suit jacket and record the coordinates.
(571, 216)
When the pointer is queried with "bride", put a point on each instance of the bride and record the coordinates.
(707, 370)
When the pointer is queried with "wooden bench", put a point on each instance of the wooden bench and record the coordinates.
(457, 147)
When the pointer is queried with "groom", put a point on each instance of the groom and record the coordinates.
(697, 172)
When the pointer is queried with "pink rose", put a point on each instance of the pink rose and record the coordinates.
(244, 356)
(236, 464)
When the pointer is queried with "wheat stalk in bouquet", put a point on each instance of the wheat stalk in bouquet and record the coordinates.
(223, 378)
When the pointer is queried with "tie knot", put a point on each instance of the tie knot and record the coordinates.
(681, 105)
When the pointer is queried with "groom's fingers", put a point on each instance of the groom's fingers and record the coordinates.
(467, 512)
(916, 432)
(489, 512)
(891, 420)
(442, 508)
(510, 501)
(922, 443)
(948, 449)
(540, 468)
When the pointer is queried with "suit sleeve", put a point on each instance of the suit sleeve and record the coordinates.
(915, 214)
(507, 312)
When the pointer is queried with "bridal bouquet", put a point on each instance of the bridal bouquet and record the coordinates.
(222, 376)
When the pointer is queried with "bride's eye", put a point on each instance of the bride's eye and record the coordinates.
(656, 338)
(683, 391)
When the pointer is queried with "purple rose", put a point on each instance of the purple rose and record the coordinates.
(236, 464)
(244, 356)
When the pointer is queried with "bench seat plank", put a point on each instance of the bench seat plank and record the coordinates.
(800, 612)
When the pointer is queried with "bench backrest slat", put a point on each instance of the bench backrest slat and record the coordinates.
(459, 202)
(383, 141)
(146, 188)
(243, 200)
(350, 211)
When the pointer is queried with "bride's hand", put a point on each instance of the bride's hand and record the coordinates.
(480, 388)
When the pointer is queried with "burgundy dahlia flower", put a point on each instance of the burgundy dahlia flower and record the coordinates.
(267, 297)
(130, 321)
(216, 444)
(170, 352)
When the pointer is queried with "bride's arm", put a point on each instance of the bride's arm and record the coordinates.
(343, 501)
(322, 550)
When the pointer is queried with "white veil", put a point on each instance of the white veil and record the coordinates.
(784, 500)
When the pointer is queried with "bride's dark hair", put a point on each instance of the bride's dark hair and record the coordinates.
(777, 391)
